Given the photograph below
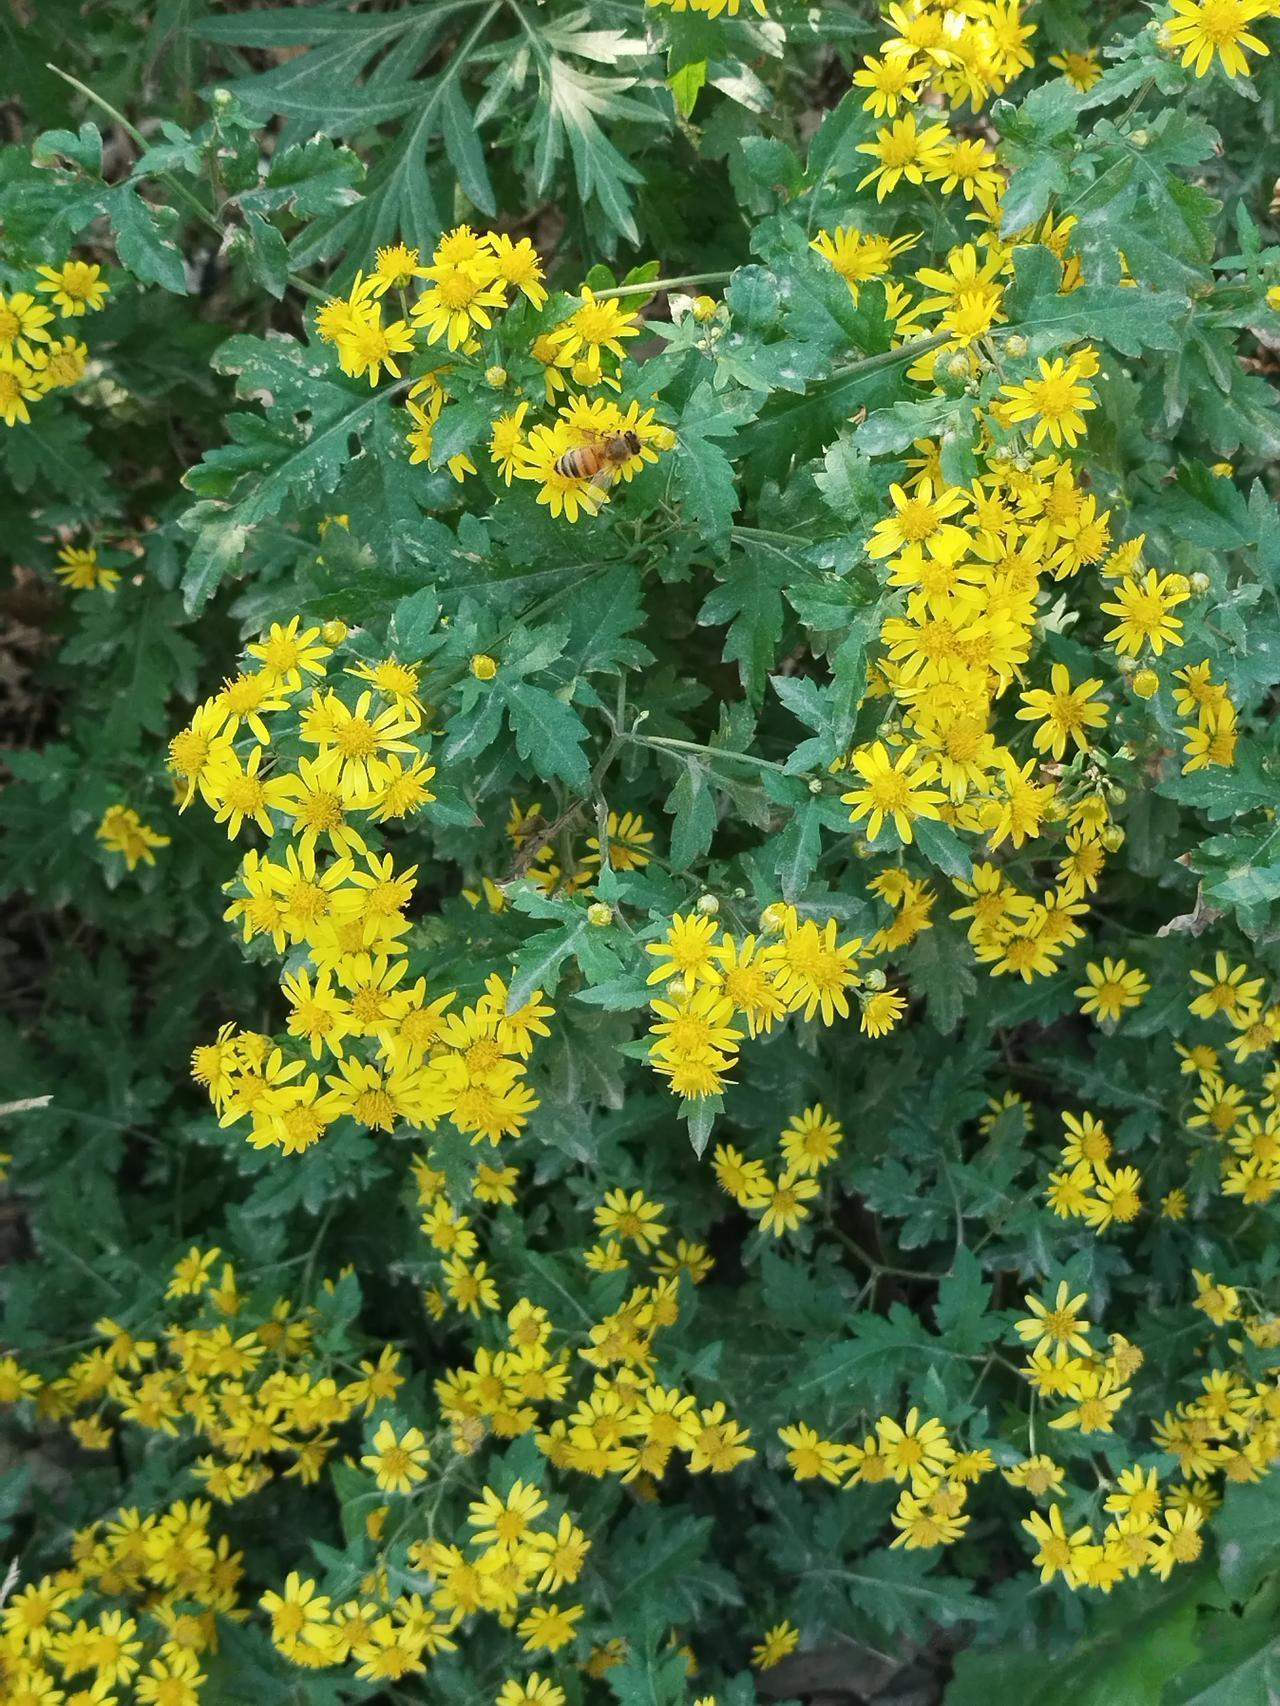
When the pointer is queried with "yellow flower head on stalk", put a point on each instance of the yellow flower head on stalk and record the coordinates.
(563, 494)
(123, 831)
(781, 1639)
(366, 345)
(1203, 29)
(1080, 67)
(76, 287)
(1110, 989)
(890, 82)
(1064, 713)
(901, 150)
(19, 385)
(1056, 402)
(395, 268)
(893, 788)
(79, 568)
(458, 299)
(601, 323)
(1145, 611)
(23, 321)
(517, 263)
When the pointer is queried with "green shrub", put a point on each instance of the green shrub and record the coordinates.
(725, 1097)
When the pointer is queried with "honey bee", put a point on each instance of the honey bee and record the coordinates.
(599, 462)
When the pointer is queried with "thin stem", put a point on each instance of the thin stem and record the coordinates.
(904, 352)
(710, 751)
(769, 536)
(879, 1267)
(172, 184)
(167, 178)
(654, 285)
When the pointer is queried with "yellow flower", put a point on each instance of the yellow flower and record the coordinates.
(123, 831)
(458, 300)
(1059, 1324)
(1065, 713)
(1081, 69)
(1060, 1553)
(397, 1461)
(19, 385)
(1202, 28)
(902, 151)
(1056, 402)
(75, 286)
(506, 439)
(893, 788)
(782, 1639)
(1112, 987)
(1144, 608)
(810, 1456)
(599, 324)
(783, 1201)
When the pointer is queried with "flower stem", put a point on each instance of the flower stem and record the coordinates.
(653, 285)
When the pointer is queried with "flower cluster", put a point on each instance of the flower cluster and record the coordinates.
(135, 1608)
(398, 1053)
(465, 299)
(33, 360)
(1237, 1109)
(1087, 1186)
(245, 1381)
(719, 987)
(917, 1454)
(559, 861)
(810, 1142)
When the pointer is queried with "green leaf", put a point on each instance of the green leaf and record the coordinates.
(702, 476)
(144, 240)
(548, 732)
(83, 147)
(297, 448)
(685, 83)
(413, 625)
(749, 600)
(219, 544)
(1131, 320)
(964, 1297)
(1246, 1529)
(694, 809)
(268, 255)
(848, 485)
(942, 847)
(537, 965)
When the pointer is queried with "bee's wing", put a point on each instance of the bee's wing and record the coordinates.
(604, 477)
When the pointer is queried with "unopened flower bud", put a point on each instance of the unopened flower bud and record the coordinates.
(222, 99)
(771, 920)
(958, 367)
(483, 667)
(1146, 683)
(874, 979)
(1016, 345)
(708, 905)
(1112, 838)
(495, 376)
(677, 989)
(1200, 583)
(815, 784)
(704, 308)
(334, 633)
(600, 914)
(1118, 794)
